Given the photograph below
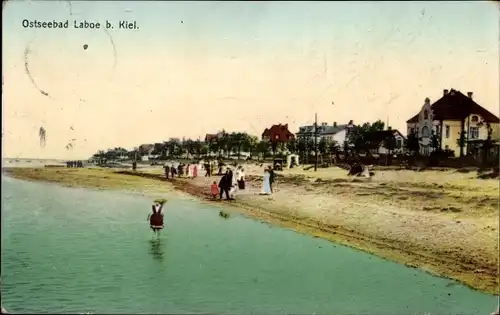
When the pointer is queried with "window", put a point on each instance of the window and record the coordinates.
(473, 133)
(399, 143)
(276, 136)
(474, 118)
(447, 131)
(426, 114)
(425, 132)
(412, 130)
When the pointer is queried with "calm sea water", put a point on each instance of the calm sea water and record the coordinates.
(76, 250)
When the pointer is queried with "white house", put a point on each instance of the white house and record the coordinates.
(382, 136)
(145, 151)
(399, 141)
(334, 132)
(337, 133)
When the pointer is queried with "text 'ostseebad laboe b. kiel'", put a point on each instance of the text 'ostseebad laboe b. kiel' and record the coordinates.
(83, 24)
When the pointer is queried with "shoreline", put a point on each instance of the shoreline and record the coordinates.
(467, 264)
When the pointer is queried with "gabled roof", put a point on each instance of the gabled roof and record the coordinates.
(331, 130)
(279, 128)
(146, 147)
(456, 106)
(209, 137)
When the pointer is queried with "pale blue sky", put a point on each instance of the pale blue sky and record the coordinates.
(262, 62)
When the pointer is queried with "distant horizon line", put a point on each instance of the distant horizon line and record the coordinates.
(38, 158)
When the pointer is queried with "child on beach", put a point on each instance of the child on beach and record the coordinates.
(214, 189)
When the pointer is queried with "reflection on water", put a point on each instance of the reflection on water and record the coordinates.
(156, 248)
(110, 261)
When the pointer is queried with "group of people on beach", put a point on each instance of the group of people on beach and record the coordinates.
(74, 164)
(229, 184)
(188, 170)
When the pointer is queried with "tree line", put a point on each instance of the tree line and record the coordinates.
(361, 139)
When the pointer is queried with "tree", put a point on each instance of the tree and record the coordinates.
(435, 144)
(133, 154)
(213, 146)
(323, 147)
(237, 140)
(224, 143)
(462, 141)
(362, 136)
(488, 143)
(189, 147)
(291, 145)
(389, 143)
(334, 148)
(346, 147)
(412, 143)
(99, 154)
(274, 146)
(302, 148)
(263, 148)
(250, 144)
(174, 148)
(158, 149)
(200, 148)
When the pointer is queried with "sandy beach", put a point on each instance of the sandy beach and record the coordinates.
(445, 222)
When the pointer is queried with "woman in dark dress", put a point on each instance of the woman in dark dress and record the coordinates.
(156, 218)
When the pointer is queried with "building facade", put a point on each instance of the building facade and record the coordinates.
(335, 132)
(447, 118)
(382, 136)
(277, 133)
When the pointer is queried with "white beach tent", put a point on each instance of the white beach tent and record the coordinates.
(289, 160)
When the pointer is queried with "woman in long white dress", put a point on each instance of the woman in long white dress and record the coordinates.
(234, 183)
(266, 186)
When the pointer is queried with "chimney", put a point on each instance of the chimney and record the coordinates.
(469, 94)
(389, 128)
(351, 122)
(452, 92)
(445, 91)
(427, 101)
(286, 126)
(334, 124)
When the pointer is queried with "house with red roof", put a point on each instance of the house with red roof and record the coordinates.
(450, 116)
(209, 137)
(277, 133)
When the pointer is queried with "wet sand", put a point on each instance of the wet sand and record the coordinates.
(441, 221)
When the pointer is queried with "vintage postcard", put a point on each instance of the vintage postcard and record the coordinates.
(250, 157)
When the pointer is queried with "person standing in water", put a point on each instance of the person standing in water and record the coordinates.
(156, 218)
